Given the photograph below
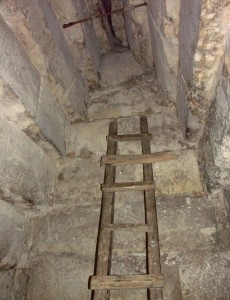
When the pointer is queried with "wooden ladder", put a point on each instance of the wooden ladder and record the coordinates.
(103, 282)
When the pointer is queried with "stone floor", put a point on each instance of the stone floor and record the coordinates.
(195, 261)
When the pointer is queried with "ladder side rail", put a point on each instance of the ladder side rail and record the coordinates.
(153, 249)
(104, 251)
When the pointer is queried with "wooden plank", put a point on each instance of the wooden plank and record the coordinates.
(117, 160)
(129, 137)
(126, 282)
(129, 227)
(103, 255)
(153, 248)
(129, 186)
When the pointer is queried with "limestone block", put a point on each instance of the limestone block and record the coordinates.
(180, 176)
(164, 75)
(25, 169)
(51, 119)
(188, 34)
(47, 33)
(90, 38)
(74, 101)
(118, 67)
(220, 121)
(188, 37)
(173, 11)
(6, 283)
(82, 40)
(51, 53)
(17, 69)
(205, 275)
(213, 34)
(11, 235)
(57, 277)
(157, 9)
(138, 35)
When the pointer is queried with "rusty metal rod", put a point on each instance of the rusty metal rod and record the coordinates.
(96, 16)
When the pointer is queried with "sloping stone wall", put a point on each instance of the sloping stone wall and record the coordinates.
(216, 146)
(190, 14)
(163, 23)
(36, 27)
(25, 169)
(137, 31)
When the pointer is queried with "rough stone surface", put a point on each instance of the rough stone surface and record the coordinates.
(202, 54)
(17, 69)
(163, 23)
(220, 122)
(213, 34)
(124, 67)
(48, 242)
(191, 226)
(15, 112)
(132, 98)
(25, 169)
(138, 35)
(218, 138)
(12, 235)
(82, 40)
(51, 119)
(190, 15)
(36, 26)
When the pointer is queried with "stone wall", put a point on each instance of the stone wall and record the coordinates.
(18, 72)
(81, 38)
(25, 169)
(27, 177)
(203, 25)
(36, 27)
(163, 22)
(209, 54)
(137, 31)
(190, 14)
(215, 148)
(12, 244)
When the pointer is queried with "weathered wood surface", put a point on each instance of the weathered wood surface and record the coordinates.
(103, 260)
(129, 227)
(153, 249)
(126, 282)
(128, 186)
(117, 160)
(129, 137)
(103, 282)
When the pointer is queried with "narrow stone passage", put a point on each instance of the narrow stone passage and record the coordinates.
(192, 250)
(60, 88)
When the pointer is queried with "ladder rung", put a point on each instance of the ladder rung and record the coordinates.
(116, 160)
(129, 186)
(126, 282)
(129, 137)
(129, 227)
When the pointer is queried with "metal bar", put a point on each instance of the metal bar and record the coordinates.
(96, 16)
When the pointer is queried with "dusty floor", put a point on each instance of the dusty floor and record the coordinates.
(195, 258)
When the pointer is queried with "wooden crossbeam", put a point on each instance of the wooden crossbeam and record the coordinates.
(129, 137)
(129, 227)
(128, 186)
(118, 160)
(126, 282)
